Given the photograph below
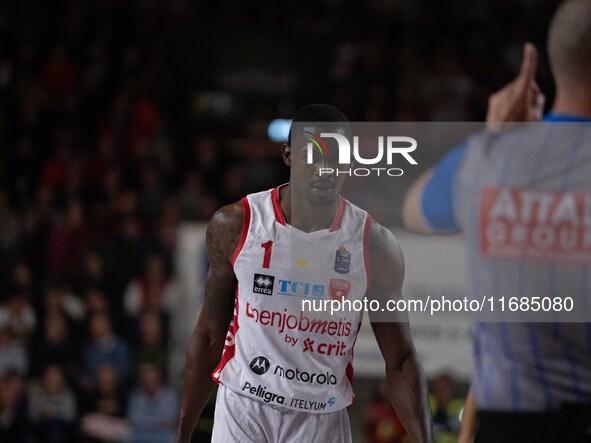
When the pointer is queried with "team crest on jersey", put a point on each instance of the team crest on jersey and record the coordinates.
(339, 289)
(342, 260)
(263, 284)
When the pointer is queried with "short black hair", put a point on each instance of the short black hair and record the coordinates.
(319, 113)
(569, 42)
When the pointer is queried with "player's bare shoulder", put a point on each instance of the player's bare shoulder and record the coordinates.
(224, 231)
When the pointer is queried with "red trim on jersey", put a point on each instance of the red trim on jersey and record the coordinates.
(229, 349)
(277, 206)
(349, 374)
(245, 226)
(336, 224)
(366, 260)
(349, 368)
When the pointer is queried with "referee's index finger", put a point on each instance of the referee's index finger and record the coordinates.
(529, 64)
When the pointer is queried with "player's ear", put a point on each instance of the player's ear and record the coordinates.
(286, 154)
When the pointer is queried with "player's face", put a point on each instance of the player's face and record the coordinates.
(311, 172)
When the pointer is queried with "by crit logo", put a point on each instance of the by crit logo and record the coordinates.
(260, 365)
(394, 145)
(337, 349)
(263, 284)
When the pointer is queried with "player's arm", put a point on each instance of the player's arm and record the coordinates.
(469, 420)
(412, 214)
(428, 206)
(406, 381)
(207, 342)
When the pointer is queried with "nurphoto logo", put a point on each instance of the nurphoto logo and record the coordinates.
(394, 146)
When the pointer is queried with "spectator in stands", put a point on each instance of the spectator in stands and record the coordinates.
(103, 347)
(14, 416)
(446, 408)
(67, 242)
(153, 291)
(153, 406)
(13, 355)
(17, 314)
(151, 347)
(59, 300)
(53, 407)
(108, 397)
(104, 407)
(9, 232)
(166, 231)
(98, 303)
(23, 282)
(93, 275)
(191, 195)
(151, 193)
(56, 347)
(123, 248)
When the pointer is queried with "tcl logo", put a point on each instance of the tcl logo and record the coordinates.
(301, 289)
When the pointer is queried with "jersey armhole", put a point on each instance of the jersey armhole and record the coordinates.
(366, 230)
(245, 226)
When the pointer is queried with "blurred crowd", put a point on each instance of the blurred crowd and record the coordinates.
(382, 425)
(113, 131)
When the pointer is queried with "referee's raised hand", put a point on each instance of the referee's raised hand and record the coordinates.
(519, 101)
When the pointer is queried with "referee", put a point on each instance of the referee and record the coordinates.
(531, 381)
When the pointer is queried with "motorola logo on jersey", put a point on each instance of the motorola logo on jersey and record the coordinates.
(263, 284)
(324, 378)
(301, 289)
(260, 365)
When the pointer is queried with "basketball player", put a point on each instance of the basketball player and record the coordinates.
(285, 375)
(531, 381)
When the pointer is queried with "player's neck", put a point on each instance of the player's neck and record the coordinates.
(303, 215)
(576, 103)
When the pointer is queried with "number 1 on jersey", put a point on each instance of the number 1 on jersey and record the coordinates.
(268, 247)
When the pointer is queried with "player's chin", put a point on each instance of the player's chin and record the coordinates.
(322, 197)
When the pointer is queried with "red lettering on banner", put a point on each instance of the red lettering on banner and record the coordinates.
(533, 225)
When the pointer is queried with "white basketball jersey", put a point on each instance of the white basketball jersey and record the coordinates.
(276, 352)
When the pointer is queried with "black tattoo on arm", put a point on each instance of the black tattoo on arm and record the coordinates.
(222, 238)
